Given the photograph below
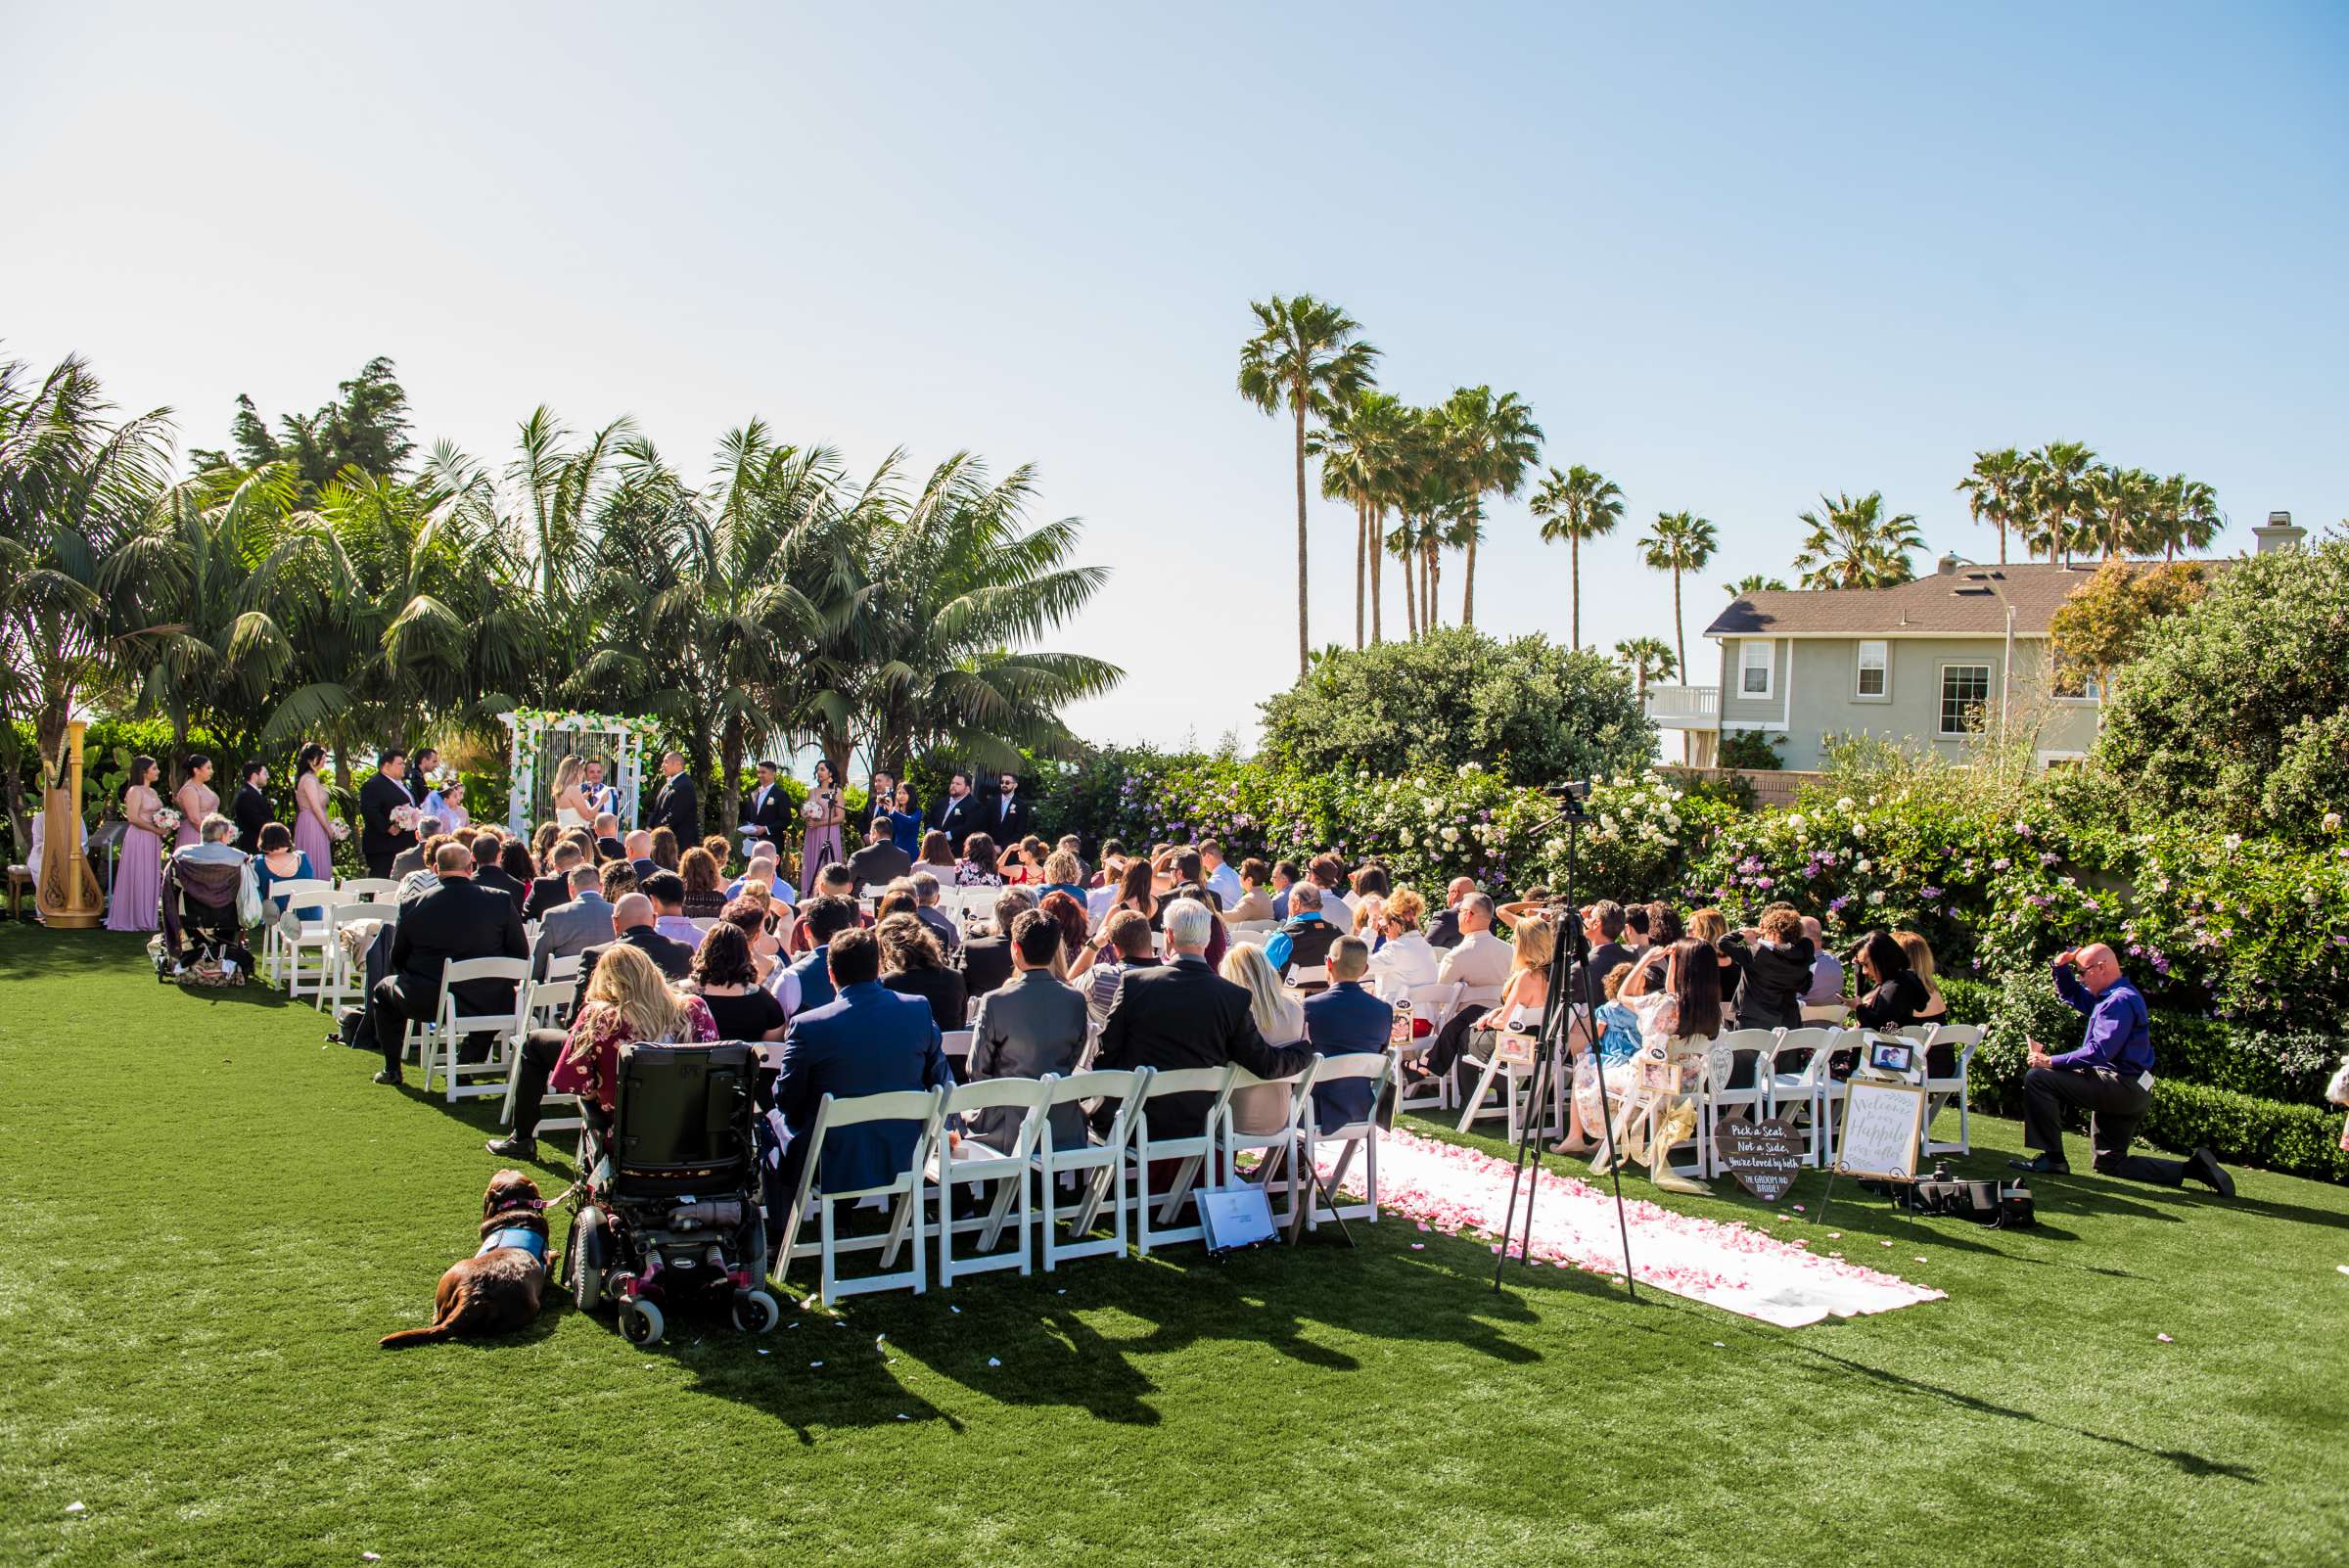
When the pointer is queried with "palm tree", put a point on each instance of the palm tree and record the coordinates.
(1579, 505)
(2056, 497)
(1995, 492)
(1679, 542)
(2122, 512)
(218, 587)
(1306, 357)
(1853, 544)
(1495, 440)
(1648, 659)
(1754, 583)
(2190, 515)
(1359, 450)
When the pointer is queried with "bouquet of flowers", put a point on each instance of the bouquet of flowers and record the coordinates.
(813, 807)
(404, 818)
(338, 831)
(166, 821)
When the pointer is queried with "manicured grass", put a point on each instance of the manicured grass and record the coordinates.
(211, 1218)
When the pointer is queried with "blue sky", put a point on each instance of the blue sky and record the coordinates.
(1733, 255)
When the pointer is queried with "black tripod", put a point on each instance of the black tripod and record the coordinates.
(1558, 1012)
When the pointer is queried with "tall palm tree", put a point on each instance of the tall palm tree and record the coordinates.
(218, 593)
(1679, 542)
(1754, 583)
(2190, 515)
(1495, 440)
(1579, 505)
(1853, 544)
(2122, 512)
(2056, 497)
(1647, 659)
(1359, 450)
(1995, 492)
(1306, 357)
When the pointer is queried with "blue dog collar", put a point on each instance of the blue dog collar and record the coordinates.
(528, 1241)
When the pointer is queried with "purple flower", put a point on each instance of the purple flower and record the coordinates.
(1928, 893)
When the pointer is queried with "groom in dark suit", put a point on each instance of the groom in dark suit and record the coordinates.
(676, 806)
(380, 843)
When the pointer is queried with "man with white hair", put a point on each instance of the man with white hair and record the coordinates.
(1478, 959)
(1182, 1014)
(1826, 970)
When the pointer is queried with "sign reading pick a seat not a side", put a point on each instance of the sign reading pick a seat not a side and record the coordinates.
(1881, 1125)
(1763, 1156)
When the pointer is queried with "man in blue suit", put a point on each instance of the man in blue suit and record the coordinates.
(1345, 1019)
(865, 1041)
(807, 983)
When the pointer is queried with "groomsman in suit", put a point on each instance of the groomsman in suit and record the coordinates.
(766, 808)
(958, 816)
(420, 776)
(676, 806)
(251, 811)
(1009, 818)
(380, 843)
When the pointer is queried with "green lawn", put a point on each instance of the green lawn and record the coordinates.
(210, 1217)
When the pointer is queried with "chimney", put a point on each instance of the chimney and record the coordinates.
(1946, 566)
(2277, 533)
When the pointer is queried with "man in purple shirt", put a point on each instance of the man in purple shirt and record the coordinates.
(2110, 1077)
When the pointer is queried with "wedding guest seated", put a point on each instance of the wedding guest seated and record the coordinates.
(1712, 928)
(807, 982)
(1278, 1014)
(926, 891)
(424, 879)
(542, 844)
(862, 1040)
(1347, 1020)
(1069, 915)
(457, 920)
(417, 856)
(1471, 1036)
(616, 879)
(1773, 971)
(1123, 940)
(1102, 896)
(1221, 878)
(700, 892)
(1367, 881)
(1303, 939)
(639, 846)
(1286, 874)
(1896, 995)
(1405, 960)
(1252, 902)
(1446, 931)
(1074, 847)
(977, 868)
(756, 921)
(1476, 959)
(627, 999)
(765, 866)
(1030, 1026)
(898, 898)
(987, 958)
(1328, 873)
(608, 844)
(280, 861)
(1603, 945)
(832, 882)
(880, 863)
(553, 885)
(1827, 971)
(486, 844)
(912, 964)
(632, 927)
(1188, 881)
(725, 976)
(667, 890)
(1063, 874)
(1182, 1014)
(569, 930)
(938, 852)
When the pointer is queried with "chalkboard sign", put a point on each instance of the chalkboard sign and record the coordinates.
(1881, 1125)
(1763, 1156)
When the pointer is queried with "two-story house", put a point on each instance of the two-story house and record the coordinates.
(1924, 663)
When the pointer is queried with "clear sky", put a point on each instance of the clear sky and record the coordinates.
(1731, 254)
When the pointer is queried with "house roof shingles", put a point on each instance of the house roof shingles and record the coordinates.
(1936, 604)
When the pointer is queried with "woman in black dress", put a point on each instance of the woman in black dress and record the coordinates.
(727, 979)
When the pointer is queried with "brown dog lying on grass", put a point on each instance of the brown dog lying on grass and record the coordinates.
(498, 1288)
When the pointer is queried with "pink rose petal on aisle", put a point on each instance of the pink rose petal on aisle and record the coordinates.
(2165, 1339)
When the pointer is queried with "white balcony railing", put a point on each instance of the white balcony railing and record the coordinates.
(1684, 707)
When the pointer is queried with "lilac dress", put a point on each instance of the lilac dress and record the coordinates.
(823, 844)
(309, 836)
(191, 823)
(137, 901)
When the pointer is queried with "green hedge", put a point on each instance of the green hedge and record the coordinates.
(2303, 1140)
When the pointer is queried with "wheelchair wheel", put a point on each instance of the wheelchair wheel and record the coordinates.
(640, 1322)
(587, 1260)
(755, 1311)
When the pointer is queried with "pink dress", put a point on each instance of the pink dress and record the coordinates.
(309, 834)
(137, 901)
(191, 822)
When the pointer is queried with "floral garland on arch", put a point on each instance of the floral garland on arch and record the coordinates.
(528, 727)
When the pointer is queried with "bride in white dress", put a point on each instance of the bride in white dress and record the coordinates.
(571, 808)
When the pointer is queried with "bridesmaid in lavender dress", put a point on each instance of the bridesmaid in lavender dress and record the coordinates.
(137, 901)
(197, 800)
(313, 831)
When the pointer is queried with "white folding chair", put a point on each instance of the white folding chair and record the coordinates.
(1309, 974)
(553, 996)
(956, 1043)
(703, 924)
(1939, 1091)
(1195, 1152)
(446, 1042)
(1097, 1168)
(1434, 1002)
(300, 893)
(1516, 1081)
(1277, 1145)
(1250, 930)
(1829, 1014)
(1795, 1078)
(1750, 1047)
(903, 1192)
(317, 941)
(1363, 1135)
(367, 888)
(959, 1160)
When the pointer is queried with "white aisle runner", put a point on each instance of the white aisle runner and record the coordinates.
(1450, 1188)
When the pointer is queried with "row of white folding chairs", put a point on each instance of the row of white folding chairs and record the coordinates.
(1116, 1175)
(284, 943)
(1792, 1076)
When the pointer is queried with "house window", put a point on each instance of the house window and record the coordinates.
(1965, 695)
(1755, 661)
(1875, 669)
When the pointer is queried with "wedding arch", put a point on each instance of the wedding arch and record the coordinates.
(542, 737)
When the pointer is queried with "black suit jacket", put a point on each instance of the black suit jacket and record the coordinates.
(774, 814)
(378, 797)
(677, 809)
(1446, 931)
(877, 864)
(985, 963)
(945, 990)
(1008, 823)
(1182, 1015)
(494, 876)
(614, 850)
(674, 957)
(458, 919)
(1597, 965)
(252, 812)
(957, 819)
(545, 894)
